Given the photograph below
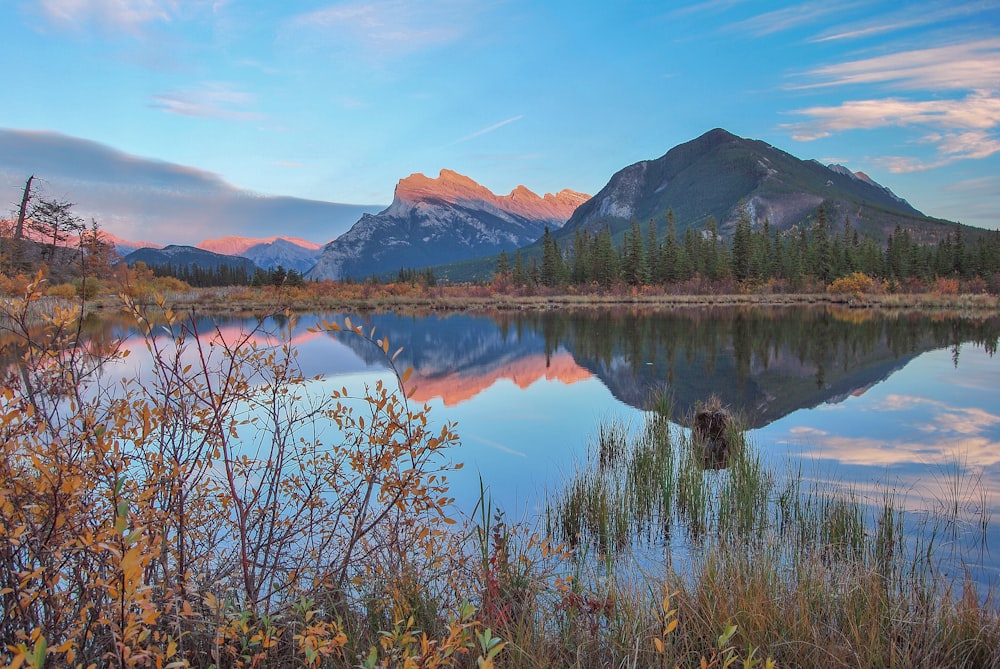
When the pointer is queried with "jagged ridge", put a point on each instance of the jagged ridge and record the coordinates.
(433, 221)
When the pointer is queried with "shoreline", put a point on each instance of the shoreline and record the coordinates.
(452, 299)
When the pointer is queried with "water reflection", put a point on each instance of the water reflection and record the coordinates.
(765, 363)
(868, 401)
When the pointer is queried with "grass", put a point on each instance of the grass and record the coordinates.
(421, 299)
(801, 573)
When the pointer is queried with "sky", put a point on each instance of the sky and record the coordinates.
(315, 100)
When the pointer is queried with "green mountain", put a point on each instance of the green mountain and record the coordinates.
(177, 255)
(718, 173)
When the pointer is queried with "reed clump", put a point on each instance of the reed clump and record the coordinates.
(805, 574)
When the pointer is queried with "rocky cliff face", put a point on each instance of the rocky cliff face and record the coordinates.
(435, 221)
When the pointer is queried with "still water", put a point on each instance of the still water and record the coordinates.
(863, 401)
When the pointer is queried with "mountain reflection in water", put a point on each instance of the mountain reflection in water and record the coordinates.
(763, 362)
(862, 400)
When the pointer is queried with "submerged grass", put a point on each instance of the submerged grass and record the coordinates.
(790, 569)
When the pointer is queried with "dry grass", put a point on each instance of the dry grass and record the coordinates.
(406, 298)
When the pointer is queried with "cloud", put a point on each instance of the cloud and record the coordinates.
(967, 66)
(959, 129)
(212, 100)
(127, 15)
(384, 29)
(964, 126)
(906, 18)
(789, 18)
(491, 128)
(150, 200)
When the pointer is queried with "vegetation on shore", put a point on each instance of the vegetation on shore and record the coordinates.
(219, 513)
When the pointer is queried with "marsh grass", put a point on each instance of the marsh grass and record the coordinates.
(809, 574)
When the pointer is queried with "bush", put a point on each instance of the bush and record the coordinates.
(945, 285)
(136, 529)
(64, 290)
(856, 283)
(87, 287)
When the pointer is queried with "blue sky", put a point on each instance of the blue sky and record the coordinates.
(337, 101)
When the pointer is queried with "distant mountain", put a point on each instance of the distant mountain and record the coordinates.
(286, 253)
(188, 256)
(234, 245)
(268, 253)
(433, 221)
(718, 172)
(124, 246)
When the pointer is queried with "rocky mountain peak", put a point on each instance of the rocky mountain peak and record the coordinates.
(449, 187)
(443, 219)
(453, 188)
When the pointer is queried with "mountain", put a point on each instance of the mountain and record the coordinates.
(124, 246)
(433, 221)
(188, 256)
(284, 252)
(718, 172)
(800, 358)
(268, 253)
(234, 245)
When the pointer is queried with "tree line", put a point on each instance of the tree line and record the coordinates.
(225, 274)
(755, 254)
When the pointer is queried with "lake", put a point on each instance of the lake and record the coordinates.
(868, 403)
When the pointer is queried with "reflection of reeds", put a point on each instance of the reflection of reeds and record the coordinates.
(809, 573)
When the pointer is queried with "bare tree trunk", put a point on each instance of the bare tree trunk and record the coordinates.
(18, 242)
(19, 230)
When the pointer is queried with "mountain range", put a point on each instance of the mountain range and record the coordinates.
(453, 222)
(436, 221)
(633, 355)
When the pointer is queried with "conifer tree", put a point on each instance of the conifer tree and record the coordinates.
(741, 246)
(581, 262)
(670, 261)
(503, 266)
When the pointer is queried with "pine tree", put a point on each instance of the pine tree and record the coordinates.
(821, 252)
(670, 261)
(503, 266)
(604, 257)
(520, 277)
(741, 246)
(633, 256)
(652, 254)
(581, 263)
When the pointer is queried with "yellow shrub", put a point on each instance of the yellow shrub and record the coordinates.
(858, 283)
(67, 290)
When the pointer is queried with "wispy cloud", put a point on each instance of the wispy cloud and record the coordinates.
(128, 15)
(963, 126)
(495, 126)
(212, 100)
(707, 7)
(969, 66)
(794, 17)
(905, 18)
(386, 28)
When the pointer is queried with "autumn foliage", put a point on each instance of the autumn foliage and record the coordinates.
(201, 508)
